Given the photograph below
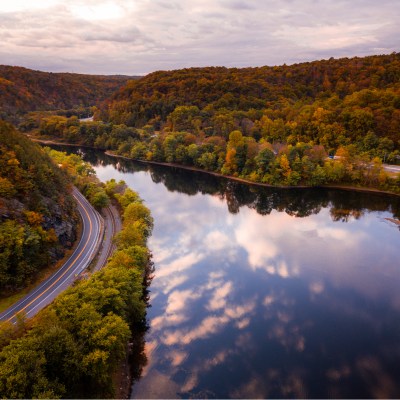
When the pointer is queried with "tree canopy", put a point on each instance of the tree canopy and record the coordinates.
(72, 348)
(275, 125)
(37, 212)
(24, 90)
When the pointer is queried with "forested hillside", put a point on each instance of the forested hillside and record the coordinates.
(332, 102)
(23, 90)
(275, 125)
(37, 213)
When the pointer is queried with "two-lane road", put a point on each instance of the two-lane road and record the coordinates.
(88, 245)
(387, 167)
(391, 168)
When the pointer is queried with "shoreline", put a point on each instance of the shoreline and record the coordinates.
(219, 175)
(248, 182)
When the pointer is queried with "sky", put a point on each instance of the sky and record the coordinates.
(135, 37)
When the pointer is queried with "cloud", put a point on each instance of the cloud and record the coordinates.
(163, 321)
(157, 385)
(169, 284)
(217, 240)
(179, 300)
(242, 310)
(238, 5)
(177, 357)
(103, 11)
(219, 298)
(282, 246)
(316, 287)
(127, 35)
(268, 300)
(210, 325)
(141, 36)
(178, 265)
(338, 36)
(176, 307)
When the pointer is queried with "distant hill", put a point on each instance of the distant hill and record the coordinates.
(23, 90)
(359, 94)
(274, 125)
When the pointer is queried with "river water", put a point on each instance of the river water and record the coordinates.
(263, 292)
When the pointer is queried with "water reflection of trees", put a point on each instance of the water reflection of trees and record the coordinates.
(346, 370)
(343, 205)
(137, 356)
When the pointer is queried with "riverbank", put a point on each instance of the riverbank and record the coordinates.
(233, 178)
(249, 182)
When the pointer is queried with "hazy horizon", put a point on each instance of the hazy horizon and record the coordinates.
(124, 37)
(194, 66)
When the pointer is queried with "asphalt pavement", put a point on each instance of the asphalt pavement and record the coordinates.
(391, 168)
(112, 224)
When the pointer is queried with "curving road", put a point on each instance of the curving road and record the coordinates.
(87, 248)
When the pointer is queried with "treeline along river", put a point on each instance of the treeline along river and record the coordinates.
(261, 292)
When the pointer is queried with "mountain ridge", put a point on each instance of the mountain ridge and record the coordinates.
(24, 90)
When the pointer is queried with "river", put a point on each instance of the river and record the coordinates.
(261, 292)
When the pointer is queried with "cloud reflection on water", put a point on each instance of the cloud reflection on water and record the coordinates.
(286, 304)
(217, 304)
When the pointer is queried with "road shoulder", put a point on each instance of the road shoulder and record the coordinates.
(112, 225)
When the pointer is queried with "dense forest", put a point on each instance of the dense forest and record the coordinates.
(72, 348)
(275, 125)
(37, 213)
(332, 102)
(82, 175)
(23, 90)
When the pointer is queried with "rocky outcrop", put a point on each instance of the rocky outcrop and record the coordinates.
(64, 228)
(37, 211)
(63, 223)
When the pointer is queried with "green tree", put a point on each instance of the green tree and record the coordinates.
(264, 160)
(208, 161)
